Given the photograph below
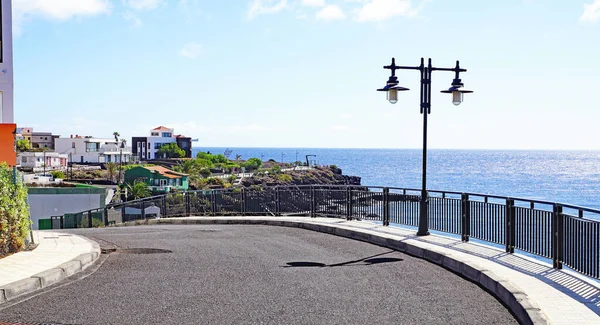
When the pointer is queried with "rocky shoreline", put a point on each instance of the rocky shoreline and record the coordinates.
(321, 175)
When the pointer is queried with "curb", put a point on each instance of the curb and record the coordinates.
(524, 310)
(51, 276)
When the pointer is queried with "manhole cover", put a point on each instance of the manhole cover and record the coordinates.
(142, 251)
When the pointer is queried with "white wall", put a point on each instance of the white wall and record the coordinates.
(6, 66)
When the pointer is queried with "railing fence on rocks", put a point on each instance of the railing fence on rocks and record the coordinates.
(566, 234)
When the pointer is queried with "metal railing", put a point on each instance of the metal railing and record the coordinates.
(566, 234)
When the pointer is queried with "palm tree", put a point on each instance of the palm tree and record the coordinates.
(139, 190)
(123, 143)
(111, 168)
(116, 135)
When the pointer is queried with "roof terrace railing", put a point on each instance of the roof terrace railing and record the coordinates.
(566, 234)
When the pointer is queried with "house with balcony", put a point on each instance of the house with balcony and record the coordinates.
(146, 148)
(88, 149)
(159, 179)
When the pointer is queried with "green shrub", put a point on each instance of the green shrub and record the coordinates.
(14, 212)
(275, 170)
(284, 178)
(57, 174)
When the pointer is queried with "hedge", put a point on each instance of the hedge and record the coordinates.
(14, 212)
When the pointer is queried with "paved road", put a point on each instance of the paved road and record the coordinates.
(230, 274)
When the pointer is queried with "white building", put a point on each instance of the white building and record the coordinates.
(6, 63)
(146, 148)
(92, 150)
(38, 161)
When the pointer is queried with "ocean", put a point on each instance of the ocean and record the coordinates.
(571, 177)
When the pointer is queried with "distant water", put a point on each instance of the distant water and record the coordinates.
(571, 177)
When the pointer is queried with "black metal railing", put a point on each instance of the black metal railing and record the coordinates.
(566, 234)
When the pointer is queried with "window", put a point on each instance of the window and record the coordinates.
(148, 145)
(92, 147)
(158, 145)
(163, 182)
(167, 135)
(154, 134)
(24, 159)
(73, 145)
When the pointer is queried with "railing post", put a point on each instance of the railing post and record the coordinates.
(243, 194)
(105, 216)
(62, 221)
(386, 206)
(213, 202)
(143, 210)
(511, 226)
(466, 217)
(188, 211)
(123, 215)
(89, 219)
(277, 201)
(313, 205)
(557, 236)
(348, 209)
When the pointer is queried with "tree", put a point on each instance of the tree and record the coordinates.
(111, 168)
(171, 150)
(238, 157)
(116, 135)
(138, 190)
(252, 164)
(123, 143)
(23, 145)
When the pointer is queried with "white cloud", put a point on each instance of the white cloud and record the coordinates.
(25, 10)
(135, 20)
(379, 10)
(142, 4)
(346, 116)
(313, 3)
(591, 12)
(262, 7)
(191, 50)
(331, 12)
(60, 9)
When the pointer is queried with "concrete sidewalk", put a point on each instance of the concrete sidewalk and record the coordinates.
(56, 257)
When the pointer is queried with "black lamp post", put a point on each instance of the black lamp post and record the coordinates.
(457, 91)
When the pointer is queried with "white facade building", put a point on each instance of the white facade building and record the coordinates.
(38, 161)
(146, 148)
(6, 63)
(92, 150)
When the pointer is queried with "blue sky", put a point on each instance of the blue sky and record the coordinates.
(303, 73)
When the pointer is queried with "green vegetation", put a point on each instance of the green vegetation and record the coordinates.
(23, 145)
(58, 174)
(171, 150)
(138, 190)
(14, 212)
(252, 164)
(111, 169)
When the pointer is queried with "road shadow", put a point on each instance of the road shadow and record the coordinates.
(369, 260)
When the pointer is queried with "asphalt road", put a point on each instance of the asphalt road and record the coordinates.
(227, 274)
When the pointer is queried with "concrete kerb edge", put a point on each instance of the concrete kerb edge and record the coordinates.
(51, 276)
(515, 300)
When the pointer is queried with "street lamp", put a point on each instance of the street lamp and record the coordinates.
(456, 89)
